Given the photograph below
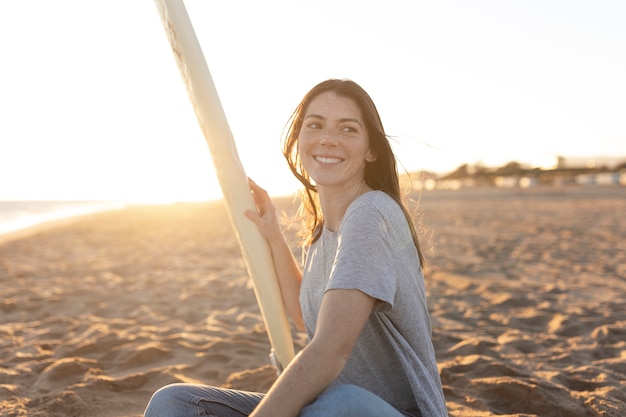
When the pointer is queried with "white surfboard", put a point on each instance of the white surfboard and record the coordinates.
(231, 175)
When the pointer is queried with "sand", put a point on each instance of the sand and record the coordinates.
(526, 291)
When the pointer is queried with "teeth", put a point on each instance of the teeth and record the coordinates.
(327, 160)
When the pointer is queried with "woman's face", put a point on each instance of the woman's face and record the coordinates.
(333, 144)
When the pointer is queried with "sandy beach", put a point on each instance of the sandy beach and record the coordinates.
(526, 292)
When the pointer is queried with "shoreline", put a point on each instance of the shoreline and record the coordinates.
(36, 215)
(605, 191)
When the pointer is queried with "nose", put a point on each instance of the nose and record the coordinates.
(328, 138)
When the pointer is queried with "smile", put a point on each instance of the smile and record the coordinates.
(327, 160)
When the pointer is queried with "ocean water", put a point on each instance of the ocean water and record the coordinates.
(18, 215)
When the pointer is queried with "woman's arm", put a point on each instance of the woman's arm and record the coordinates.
(287, 270)
(341, 318)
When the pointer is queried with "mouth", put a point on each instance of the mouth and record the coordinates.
(327, 160)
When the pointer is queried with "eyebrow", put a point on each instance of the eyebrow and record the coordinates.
(347, 119)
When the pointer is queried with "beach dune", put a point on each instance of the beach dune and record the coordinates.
(526, 292)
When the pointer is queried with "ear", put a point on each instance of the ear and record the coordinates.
(370, 157)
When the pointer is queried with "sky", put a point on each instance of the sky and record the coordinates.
(92, 105)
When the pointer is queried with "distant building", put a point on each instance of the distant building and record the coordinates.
(506, 182)
(596, 162)
(602, 178)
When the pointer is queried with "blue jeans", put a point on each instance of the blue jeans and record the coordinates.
(187, 400)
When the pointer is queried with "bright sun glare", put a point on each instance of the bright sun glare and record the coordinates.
(93, 105)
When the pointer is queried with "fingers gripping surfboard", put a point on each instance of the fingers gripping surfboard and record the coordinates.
(231, 175)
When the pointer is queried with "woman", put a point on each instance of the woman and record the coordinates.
(360, 295)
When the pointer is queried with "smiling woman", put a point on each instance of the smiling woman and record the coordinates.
(334, 144)
(360, 292)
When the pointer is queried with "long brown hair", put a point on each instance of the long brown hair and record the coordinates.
(380, 175)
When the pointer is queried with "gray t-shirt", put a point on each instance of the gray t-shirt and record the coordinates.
(373, 252)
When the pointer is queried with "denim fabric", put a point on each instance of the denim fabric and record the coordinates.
(349, 401)
(187, 400)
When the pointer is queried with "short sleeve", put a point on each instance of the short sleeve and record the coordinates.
(364, 256)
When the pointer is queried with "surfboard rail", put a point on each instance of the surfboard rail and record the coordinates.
(231, 175)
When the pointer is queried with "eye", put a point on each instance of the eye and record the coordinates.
(348, 129)
(312, 123)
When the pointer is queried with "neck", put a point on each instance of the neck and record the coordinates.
(335, 202)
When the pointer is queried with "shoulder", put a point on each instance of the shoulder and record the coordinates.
(376, 212)
(375, 204)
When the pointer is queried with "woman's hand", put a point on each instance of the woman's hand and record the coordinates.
(285, 265)
(265, 218)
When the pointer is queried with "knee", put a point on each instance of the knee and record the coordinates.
(341, 400)
(346, 394)
(165, 401)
